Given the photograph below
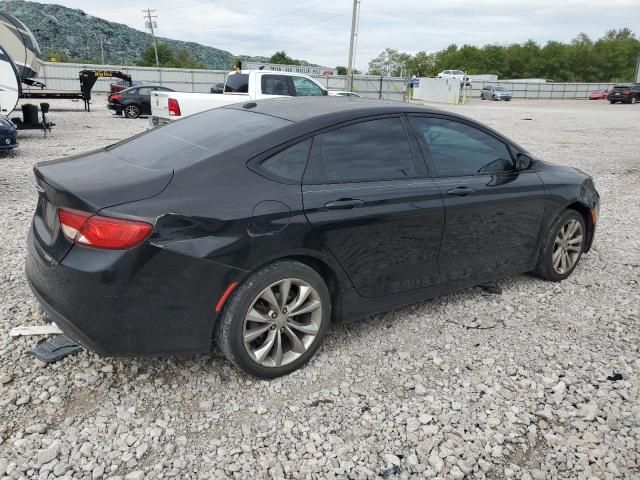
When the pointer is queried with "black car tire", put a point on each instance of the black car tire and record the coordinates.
(544, 267)
(634, 100)
(132, 111)
(230, 325)
(482, 96)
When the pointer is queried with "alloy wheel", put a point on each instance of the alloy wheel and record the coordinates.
(567, 246)
(282, 322)
(131, 111)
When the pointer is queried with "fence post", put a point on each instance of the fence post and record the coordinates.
(380, 94)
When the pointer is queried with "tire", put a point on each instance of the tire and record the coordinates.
(634, 100)
(570, 224)
(132, 111)
(234, 325)
(482, 96)
(611, 102)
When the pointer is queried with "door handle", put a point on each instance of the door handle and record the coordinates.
(344, 204)
(460, 191)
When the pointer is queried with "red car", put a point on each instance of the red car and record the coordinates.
(599, 95)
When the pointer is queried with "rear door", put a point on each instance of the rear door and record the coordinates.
(374, 207)
(272, 85)
(493, 212)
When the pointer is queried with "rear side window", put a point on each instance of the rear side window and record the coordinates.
(237, 83)
(367, 151)
(275, 85)
(195, 138)
(456, 148)
(289, 163)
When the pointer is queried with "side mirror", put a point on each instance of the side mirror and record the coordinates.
(524, 161)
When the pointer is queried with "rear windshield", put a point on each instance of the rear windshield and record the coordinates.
(195, 138)
(237, 83)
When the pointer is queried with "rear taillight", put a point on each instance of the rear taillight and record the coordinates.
(174, 108)
(115, 97)
(626, 91)
(102, 232)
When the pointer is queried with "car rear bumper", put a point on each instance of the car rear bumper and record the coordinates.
(114, 106)
(143, 301)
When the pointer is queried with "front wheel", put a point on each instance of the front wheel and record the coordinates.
(634, 100)
(132, 111)
(562, 248)
(482, 96)
(275, 322)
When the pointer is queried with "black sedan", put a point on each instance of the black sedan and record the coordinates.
(134, 101)
(258, 224)
(8, 134)
(624, 94)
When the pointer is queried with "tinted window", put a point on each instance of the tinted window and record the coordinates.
(275, 85)
(195, 138)
(145, 90)
(367, 151)
(290, 162)
(237, 83)
(459, 149)
(306, 88)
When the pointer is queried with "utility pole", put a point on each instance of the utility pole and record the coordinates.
(149, 15)
(354, 17)
(101, 47)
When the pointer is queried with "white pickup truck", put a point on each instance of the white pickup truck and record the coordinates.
(240, 86)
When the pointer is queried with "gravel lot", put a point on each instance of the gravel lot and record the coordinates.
(542, 381)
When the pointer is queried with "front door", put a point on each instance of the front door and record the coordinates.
(493, 211)
(373, 206)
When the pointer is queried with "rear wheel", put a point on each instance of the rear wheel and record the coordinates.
(276, 320)
(562, 248)
(132, 111)
(634, 99)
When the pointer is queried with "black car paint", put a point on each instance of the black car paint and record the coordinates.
(215, 225)
(617, 94)
(133, 96)
(8, 134)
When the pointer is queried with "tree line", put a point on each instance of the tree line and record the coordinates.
(611, 58)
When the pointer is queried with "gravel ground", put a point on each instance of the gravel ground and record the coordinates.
(542, 381)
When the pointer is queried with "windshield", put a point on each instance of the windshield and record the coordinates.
(499, 89)
(195, 138)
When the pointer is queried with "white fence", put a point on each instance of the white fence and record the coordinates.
(65, 77)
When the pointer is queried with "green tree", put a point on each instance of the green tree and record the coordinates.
(390, 63)
(281, 58)
(341, 70)
(168, 58)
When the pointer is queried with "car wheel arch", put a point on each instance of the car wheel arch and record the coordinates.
(585, 212)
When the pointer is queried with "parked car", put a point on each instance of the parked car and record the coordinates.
(217, 88)
(342, 93)
(624, 94)
(257, 224)
(123, 85)
(599, 95)
(134, 101)
(240, 86)
(8, 134)
(459, 74)
(495, 92)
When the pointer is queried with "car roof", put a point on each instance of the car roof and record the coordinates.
(298, 109)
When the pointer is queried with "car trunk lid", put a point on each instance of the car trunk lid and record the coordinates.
(88, 183)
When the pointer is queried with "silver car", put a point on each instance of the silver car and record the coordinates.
(495, 92)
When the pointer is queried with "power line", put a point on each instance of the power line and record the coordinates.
(149, 20)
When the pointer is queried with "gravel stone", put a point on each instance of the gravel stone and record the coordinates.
(540, 382)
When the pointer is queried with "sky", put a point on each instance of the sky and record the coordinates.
(318, 30)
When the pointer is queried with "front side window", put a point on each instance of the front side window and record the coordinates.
(306, 88)
(456, 148)
(275, 85)
(290, 162)
(367, 151)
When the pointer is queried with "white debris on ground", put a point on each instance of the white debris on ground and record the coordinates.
(551, 390)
